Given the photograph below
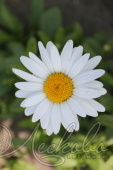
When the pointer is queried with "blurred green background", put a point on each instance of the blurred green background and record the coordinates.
(16, 39)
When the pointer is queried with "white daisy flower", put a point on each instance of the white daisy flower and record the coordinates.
(60, 87)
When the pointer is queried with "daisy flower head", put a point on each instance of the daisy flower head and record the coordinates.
(60, 86)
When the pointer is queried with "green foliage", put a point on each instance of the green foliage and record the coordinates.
(46, 25)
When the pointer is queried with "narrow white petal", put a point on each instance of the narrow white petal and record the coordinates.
(33, 99)
(49, 129)
(92, 84)
(89, 110)
(76, 122)
(88, 76)
(45, 119)
(76, 107)
(92, 63)
(97, 106)
(75, 56)
(102, 91)
(30, 110)
(66, 125)
(48, 47)
(38, 61)
(40, 110)
(33, 67)
(29, 86)
(56, 118)
(66, 54)
(86, 92)
(67, 112)
(27, 76)
(55, 59)
(45, 57)
(79, 64)
(23, 94)
(74, 50)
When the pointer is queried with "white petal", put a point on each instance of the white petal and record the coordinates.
(92, 84)
(76, 122)
(88, 76)
(75, 56)
(102, 91)
(66, 125)
(49, 129)
(79, 64)
(45, 57)
(76, 107)
(55, 59)
(48, 46)
(30, 110)
(45, 119)
(74, 49)
(38, 61)
(89, 110)
(56, 118)
(27, 76)
(40, 110)
(33, 67)
(23, 94)
(29, 86)
(92, 63)
(66, 54)
(33, 99)
(67, 113)
(86, 92)
(96, 105)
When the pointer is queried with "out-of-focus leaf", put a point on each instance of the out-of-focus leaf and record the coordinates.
(59, 36)
(107, 78)
(16, 48)
(37, 8)
(106, 120)
(101, 36)
(15, 107)
(4, 37)
(108, 164)
(21, 164)
(43, 37)
(88, 49)
(106, 101)
(27, 123)
(94, 44)
(10, 21)
(50, 21)
(31, 46)
(78, 33)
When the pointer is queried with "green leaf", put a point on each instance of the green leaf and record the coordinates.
(27, 123)
(94, 44)
(106, 101)
(50, 21)
(21, 164)
(88, 49)
(16, 48)
(9, 20)
(59, 36)
(78, 33)
(37, 8)
(106, 120)
(107, 78)
(31, 46)
(43, 37)
(101, 36)
(4, 37)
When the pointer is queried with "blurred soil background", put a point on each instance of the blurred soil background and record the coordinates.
(93, 15)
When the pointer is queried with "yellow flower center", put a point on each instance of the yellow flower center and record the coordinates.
(58, 87)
